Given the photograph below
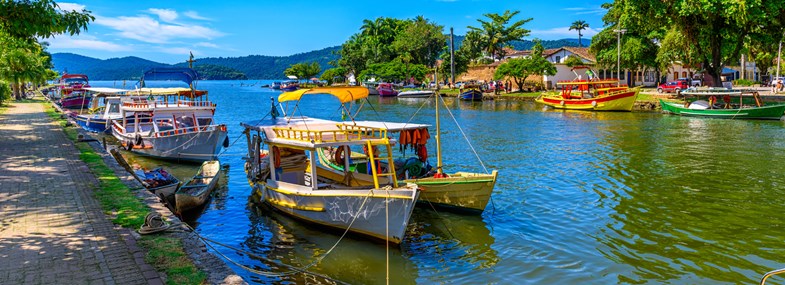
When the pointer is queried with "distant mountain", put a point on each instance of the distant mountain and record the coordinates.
(527, 44)
(252, 66)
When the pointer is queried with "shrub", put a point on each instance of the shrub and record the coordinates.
(5, 92)
(743, 82)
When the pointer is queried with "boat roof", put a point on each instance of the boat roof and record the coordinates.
(165, 91)
(390, 126)
(107, 91)
(344, 94)
(183, 74)
(586, 82)
(310, 133)
(74, 75)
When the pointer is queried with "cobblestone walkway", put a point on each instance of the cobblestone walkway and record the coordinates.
(52, 230)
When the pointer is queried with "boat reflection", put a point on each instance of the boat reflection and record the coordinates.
(354, 260)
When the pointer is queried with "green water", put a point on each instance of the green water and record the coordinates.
(582, 198)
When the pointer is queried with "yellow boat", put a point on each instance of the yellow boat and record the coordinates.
(592, 95)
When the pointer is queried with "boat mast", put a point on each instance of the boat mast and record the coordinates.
(438, 127)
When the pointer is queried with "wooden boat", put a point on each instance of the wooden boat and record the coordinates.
(289, 180)
(592, 95)
(471, 92)
(732, 105)
(386, 90)
(196, 191)
(71, 91)
(276, 85)
(182, 126)
(158, 181)
(371, 85)
(415, 94)
(290, 85)
(105, 107)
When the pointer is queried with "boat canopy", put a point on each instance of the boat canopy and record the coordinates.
(162, 91)
(107, 91)
(344, 94)
(183, 74)
(66, 76)
(389, 126)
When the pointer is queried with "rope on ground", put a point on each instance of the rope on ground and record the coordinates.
(154, 223)
(464, 135)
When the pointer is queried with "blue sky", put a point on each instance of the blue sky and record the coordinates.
(166, 31)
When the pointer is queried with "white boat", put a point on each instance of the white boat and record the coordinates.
(415, 94)
(104, 107)
(182, 127)
(286, 175)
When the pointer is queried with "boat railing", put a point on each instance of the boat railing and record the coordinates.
(770, 274)
(187, 130)
(199, 103)
(344, 133)
(147, 104)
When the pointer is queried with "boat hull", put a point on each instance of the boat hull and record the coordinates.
(415, 94)
(92, 123)
(471, 95)
(75, 102)
(187, 200)
(191, 146)
(374, 210)
(772, 112)
(619, 101)
(466, 192)
(387, 93)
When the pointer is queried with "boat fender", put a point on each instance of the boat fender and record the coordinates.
(594, 104)
(338, 157)
(562, 102)
(226, 142)
(277, 156)
(138, 139)
(129, 145)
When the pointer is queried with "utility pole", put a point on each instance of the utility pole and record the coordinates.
(452, 58)
(618, 32)
(779, 55)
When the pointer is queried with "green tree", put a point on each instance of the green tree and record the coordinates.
(579, 26)
(333, 75)
(521, 68)
(716, 28)
(396, 70)
(5, 92)
(420, 42)
(573, 61)
(25, 19)
(303, 70)
(496, 32)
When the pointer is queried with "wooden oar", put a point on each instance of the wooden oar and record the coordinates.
(121, 160)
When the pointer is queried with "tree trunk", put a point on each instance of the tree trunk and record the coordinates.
(519, 82)
(715, 66)
(16, 88)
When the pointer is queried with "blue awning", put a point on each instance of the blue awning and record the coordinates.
(183, 74)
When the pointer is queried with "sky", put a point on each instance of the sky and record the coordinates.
(166, 31)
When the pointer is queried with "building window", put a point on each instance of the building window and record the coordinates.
(558, 58)
(622, 75)
(650, 76)
(675, 75)
(684, 74)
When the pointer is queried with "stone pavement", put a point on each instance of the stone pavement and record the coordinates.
(52, 230)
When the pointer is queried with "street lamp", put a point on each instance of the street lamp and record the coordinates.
(618, 32)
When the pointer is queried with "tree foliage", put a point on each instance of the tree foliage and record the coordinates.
(26, 19)
(520, 68)
(395, 70)
(579, 26)
(333, 75)
(496, 32)
(304, 70)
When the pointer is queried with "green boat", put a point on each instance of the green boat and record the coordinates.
(728, 104)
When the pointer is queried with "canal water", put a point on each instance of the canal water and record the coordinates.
(582, 198)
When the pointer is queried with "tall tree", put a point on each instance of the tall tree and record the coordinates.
(496, 32)
(303, 70)
(26, 19)
(521, 68)
(716, 28)
(579, 26)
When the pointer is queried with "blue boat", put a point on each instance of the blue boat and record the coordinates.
(290, 85)
(276, 85)
(471, 95)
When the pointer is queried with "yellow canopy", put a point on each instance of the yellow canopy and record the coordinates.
(160, 91)
(344, 94)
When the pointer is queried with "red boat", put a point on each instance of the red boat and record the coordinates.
(386, 90)
(72, 92)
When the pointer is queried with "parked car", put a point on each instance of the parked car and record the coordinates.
(673, 86)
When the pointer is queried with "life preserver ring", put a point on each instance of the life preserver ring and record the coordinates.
(375, 150)
(338, 157)
(594, 104)
(138, 139)
(562, 103)
(129, 145)
(277, 156)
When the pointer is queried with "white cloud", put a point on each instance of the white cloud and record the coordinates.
(206, 44)
(194, 15)
(84, 42)
(166, 15)
(146, 29)
(562, 32)
(67, 7)
(585, 11)
(178, 51)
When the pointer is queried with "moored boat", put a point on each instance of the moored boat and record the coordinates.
(72, 92)
(276, 85)
(591, 95)
(732, 105)
(471, 93)
(158, 181)
(415, 94)
(287, 178)
(104, 108)
(290, 85)
(182, 126)
(386, 90)
(196, 191)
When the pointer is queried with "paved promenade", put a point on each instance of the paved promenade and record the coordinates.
(52, 230)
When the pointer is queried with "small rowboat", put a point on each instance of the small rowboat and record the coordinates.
(415, 94)
(158, 181)
(728, 104)
(196, 191)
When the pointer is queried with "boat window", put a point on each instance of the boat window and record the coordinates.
(164, 124)
(204, 121)
(185, 122)
(114, 108)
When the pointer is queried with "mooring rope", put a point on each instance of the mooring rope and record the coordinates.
(464, 135)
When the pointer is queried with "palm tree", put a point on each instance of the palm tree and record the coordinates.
(579, 26)
(496, 33)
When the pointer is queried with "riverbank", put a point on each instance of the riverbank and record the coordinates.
(177, 257)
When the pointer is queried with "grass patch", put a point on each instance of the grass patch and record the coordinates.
(167, 254)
